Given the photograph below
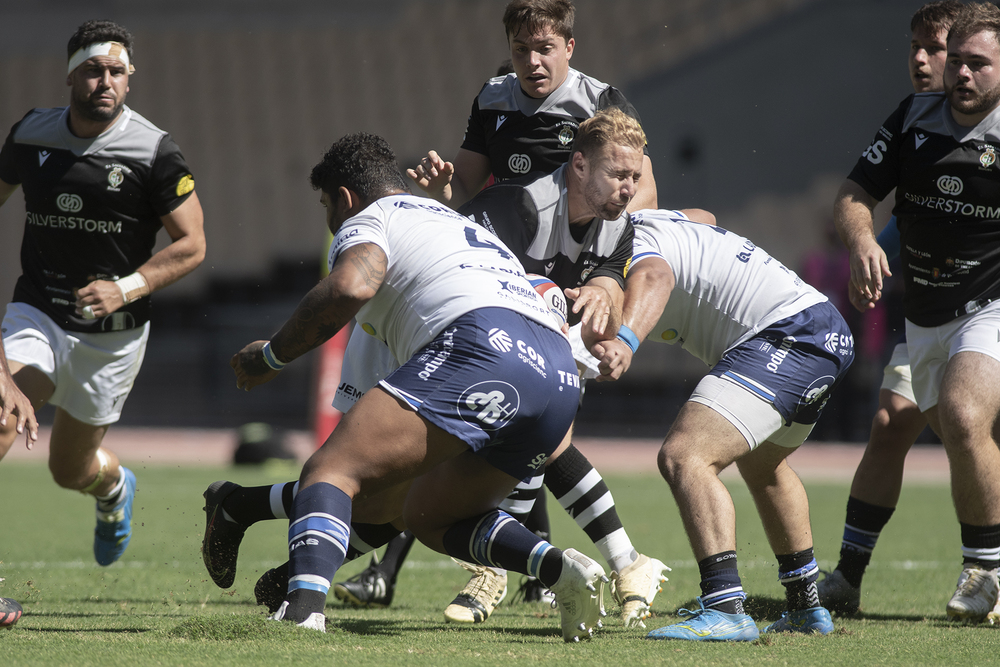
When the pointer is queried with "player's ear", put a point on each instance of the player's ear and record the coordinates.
(570, 45)
(348, 201)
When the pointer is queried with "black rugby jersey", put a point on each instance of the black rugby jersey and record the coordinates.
(531, 218)
(93, 208)
(947, 180)
(521, 135)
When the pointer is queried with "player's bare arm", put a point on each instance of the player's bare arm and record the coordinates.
(645, 190)
(699, 215)
(13, 403)
(323, 311)
(6, 190)
(185, 226)
(853, 214)
(647, 290)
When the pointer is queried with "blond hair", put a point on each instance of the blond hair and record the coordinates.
(609, 127)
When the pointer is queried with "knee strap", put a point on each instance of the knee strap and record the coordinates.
(103, 458)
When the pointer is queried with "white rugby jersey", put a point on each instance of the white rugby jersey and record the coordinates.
(440, 266)
(727, 289)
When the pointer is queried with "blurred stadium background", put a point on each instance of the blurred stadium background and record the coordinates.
(755, 110)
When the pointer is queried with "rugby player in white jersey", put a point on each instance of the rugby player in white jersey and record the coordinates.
(777, 349)
(572, 226)
(440, 444)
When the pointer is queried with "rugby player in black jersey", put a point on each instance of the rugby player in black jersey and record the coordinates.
(939, 151)
(99, 182)
(898, 421)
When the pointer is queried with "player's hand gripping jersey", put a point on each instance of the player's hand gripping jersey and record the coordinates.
(947, 180)
(727, 289)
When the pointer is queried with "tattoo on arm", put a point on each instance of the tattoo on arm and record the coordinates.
(370, 262)
(329, 306)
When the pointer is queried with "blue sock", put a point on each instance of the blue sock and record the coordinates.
(721, 587)
(318, 537)
(496, 539)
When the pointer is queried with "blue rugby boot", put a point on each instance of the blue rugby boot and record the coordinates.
(709, 625)
(114, 527)
(805, 621)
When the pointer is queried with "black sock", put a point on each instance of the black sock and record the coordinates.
(861, 531)
(395, 554)
(798, 573)
(981, 546)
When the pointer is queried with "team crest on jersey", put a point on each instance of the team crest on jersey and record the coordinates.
(185, 185)
(489, 405)
(988, 157)
(566, 136)
(115, 178)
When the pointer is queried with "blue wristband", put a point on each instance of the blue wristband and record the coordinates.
(628, 337)
(271, 360)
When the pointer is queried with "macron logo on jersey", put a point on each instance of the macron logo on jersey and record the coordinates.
(43, 156)
(920, 139)
(500, 121)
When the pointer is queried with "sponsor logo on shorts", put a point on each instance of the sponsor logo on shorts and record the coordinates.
(489, 405)
(538, 461)
(817, 392)
(779, 354)
(837, 343)
(436, 361)
(500, 340)
(569, 378)
(527, 354)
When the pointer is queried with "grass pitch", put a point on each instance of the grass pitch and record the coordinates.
(157, 606)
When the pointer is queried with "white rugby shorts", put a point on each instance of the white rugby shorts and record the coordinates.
(92, 373)
(931, 348)
(897, 377)
(756, 420)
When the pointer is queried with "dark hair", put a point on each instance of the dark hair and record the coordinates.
(975, 18)
(537, 14)
(99, 31)
(936, 16)
(361, 162)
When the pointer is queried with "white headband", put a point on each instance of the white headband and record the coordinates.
(111, 49)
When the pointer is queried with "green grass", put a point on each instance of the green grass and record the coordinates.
(158, 607)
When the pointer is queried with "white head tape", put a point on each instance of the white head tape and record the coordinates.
(110, 49)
